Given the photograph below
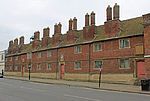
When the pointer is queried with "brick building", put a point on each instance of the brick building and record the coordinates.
(120, 48)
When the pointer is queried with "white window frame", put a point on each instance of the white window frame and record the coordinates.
(76, 49)
(120, 43)
(75, 65)
(39, 54)
(124, 59)
(95, 64)
(49, 68)
(49, 53)
(100, 46)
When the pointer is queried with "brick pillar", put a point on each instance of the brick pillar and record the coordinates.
(70, 24)
(74, 23)
(109, 13)
(87, 19)
(146, 19)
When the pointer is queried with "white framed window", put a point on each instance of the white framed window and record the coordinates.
(124, 63)
(98, 64)
(78, 49)
(49, 53)
(97, 47)
(77, 65)
(124, 43)
(48, 66)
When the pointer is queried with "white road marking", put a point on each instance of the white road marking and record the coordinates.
(79, 97)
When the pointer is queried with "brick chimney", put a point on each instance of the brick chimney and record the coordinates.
(21, 40)
(10, 43)
(36, 42)
(46, 32)
(74, 23)
(16, 42)
(70, 24)
(59, 28)
(109, 13)
(87, 19)
(37, 35)
(146, 23)
(55, 28)
(89, 29)
(46, 38)
(116, 12)
(112, 27)
(92, 18)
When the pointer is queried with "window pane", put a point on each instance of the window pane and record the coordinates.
(124, 63)
(98, 64)
(49, 53)
(77, 65)
(49, 66)
(97, 46)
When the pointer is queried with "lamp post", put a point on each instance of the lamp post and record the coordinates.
(100, 73)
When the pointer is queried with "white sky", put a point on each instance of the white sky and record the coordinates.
(24, 17)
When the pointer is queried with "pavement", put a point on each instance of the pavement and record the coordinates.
(103, 86)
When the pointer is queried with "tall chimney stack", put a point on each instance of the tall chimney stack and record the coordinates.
(92, 18)
(116, 12)
(46, 32)
(109, 13)
(87, 19)
(55, 28)
(16, 42)
(37, 35)
(74, 23)
(11, 43)
(59, 27)
(70, 24)
(21, 40)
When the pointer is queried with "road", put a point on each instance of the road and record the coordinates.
(16, 90)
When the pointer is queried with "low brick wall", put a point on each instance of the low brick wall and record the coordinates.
(34, 75)
(107, 78)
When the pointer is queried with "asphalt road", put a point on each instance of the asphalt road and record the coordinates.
(16, 90)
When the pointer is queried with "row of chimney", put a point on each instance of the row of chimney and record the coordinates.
(15, 42)
(89, 21)
(116, 12)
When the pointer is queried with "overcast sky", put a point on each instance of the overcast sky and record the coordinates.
(24, 17)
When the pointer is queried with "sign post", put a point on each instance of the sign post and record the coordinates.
(29, 67)
(100, 73)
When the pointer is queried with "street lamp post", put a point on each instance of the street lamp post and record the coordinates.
(100, 73)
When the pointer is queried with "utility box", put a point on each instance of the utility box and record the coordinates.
(145, 85)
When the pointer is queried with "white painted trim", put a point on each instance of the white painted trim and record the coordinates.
(146, 56)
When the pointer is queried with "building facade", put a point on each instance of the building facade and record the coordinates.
(2, 61)
(120, 48)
